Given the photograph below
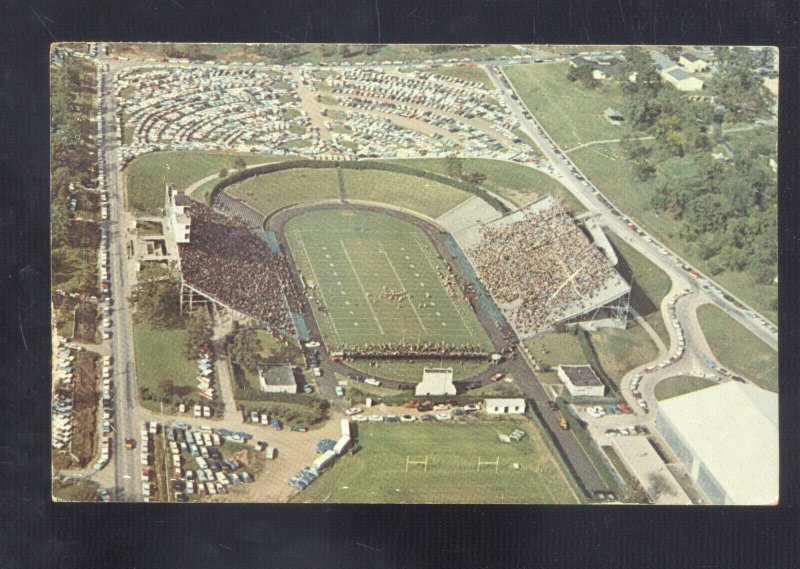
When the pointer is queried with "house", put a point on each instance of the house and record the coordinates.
(514, 406)
(581, 381)
(674, 74)
(276, 378)
(692, 62)
(682, 79)
(603, 68)
(436, 381)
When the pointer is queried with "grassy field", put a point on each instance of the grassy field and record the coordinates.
(674, 386)
(619, 351)
(417, 194)
(518, 184)
(377, 474)
(553, 350)
(650, 284)
(738, 349)
(412, 371)
(352, 256)
(571, 114)
(465, 73)
(159, 356)
(147, 175)
(610, 170)
(273, 191)
(77, 491)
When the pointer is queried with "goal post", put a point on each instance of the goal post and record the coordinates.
(495, 463)
(410, 462)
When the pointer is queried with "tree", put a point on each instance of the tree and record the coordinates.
(476, 178)
(166, 386)
(157, 299)
(584, 75)
(223, 173)
(59, 222)
(239, 163)
(453, 166)
(198, 332)
(245, 350)
(643, 169)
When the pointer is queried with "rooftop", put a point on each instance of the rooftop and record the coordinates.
(582, 375)
(680, 74)
(276, 374)
(662, 61)
(733, 429)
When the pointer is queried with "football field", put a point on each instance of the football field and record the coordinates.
(376, 279)
(390, 467)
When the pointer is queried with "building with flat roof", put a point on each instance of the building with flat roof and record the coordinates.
(692, 62)
(646, 465)
(276, 378)
(727, 437)
(436, 381)
(581, 381)
(515, 406)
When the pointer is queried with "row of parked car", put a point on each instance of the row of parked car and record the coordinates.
(61, 409)
(108, 413)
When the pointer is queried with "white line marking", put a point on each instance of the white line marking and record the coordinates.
(311, 265)
(399, 280)
(364, 292)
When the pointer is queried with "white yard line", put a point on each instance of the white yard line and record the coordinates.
(399, 280)
(313, 272)
(363, 291)
(452, 302)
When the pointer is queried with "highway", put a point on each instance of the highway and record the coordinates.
(127, 486)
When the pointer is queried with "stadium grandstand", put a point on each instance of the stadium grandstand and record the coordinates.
(541, 270)
(221, 261)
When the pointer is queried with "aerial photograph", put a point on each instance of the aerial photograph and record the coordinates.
(414, 274)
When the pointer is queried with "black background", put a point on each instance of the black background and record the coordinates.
(37, 533)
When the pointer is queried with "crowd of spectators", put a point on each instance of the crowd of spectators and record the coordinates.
(226, 261)
(540, 268)
(425, 350)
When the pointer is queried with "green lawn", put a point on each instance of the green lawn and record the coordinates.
(611, 171)
(270, 192)
(553, 350)
(674, 386)
(418, 194)
(147, 175)
(466, 73)
(78, 491)
(377, 474)
(347, 258)
(159, 356)
(571, 114)
(515, 182)
(737, 349)
(412, 371)
(619, 351)
(650, 284)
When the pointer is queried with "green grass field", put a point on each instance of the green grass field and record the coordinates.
(571, 114)
(377, 474)
(147, 175)
(674, 386)
(737, 349)
(619, 351)
(273, 191)
(417, 194)
(159, 356)
(650, 284)
(351, 255)
(611, 171)
(553, 350)
(515, 182)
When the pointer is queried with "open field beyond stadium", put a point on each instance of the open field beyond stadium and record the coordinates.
(377, 474)
(352, 256)
(738, 349)
(674, 386)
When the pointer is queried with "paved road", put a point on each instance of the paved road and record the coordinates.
(127, 486)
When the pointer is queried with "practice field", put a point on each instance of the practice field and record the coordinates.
(377, 473)
(377, 279)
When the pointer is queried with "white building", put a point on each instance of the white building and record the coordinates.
(436, 381)
(727, 437)
(692, 62)
(682, 79)
(581, 381)
(514, 406)
(175, 211)
(276, 378)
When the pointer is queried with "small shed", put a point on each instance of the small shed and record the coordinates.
(511, 406)
(276, 378)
